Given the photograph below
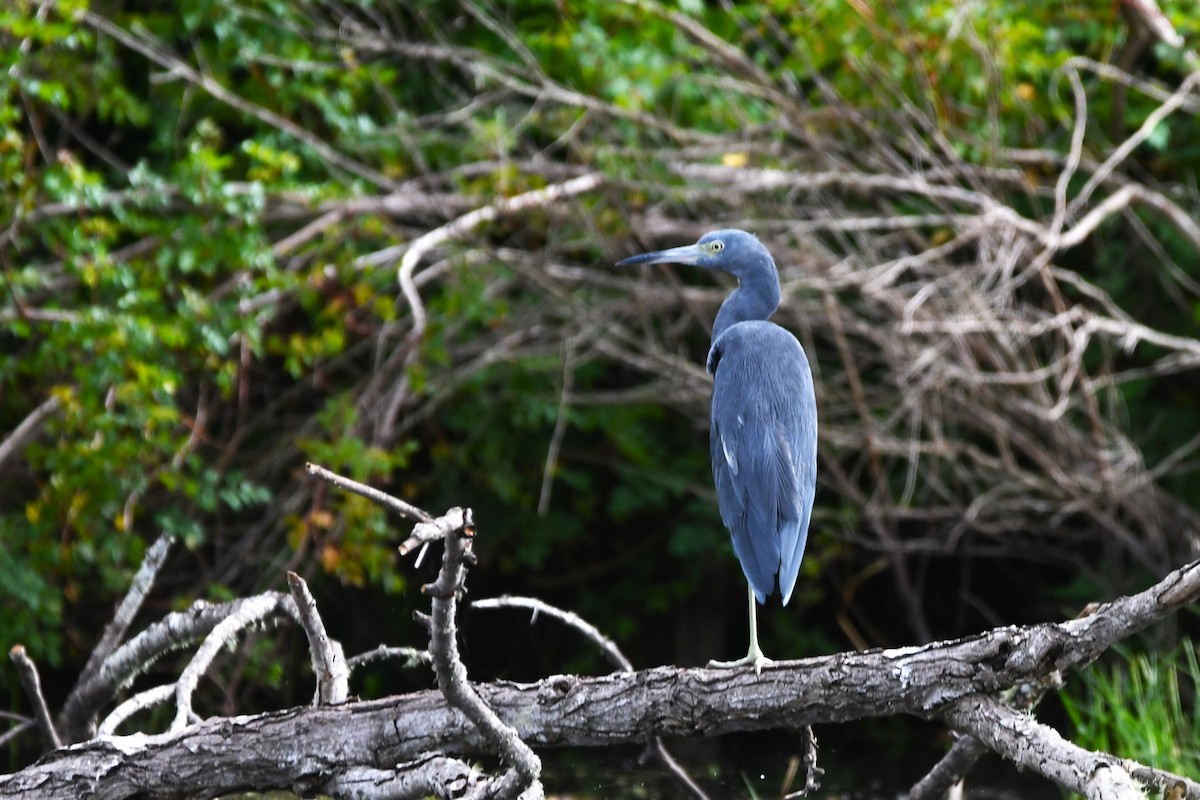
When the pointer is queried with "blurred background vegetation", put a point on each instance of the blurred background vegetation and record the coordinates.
(984, 215)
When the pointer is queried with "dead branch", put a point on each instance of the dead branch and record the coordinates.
(29, 426)
(954, 681)
(371, 493)
(614, 655)
(246, 613)
(410, 656)
(523, 776)
(953, 767)
(139, 587)
(590, 631)
(33, 690)
(456, 529)
(328, 661)
(77, 718)
(1021, 739)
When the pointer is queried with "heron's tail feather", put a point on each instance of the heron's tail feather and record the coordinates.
(794, 538)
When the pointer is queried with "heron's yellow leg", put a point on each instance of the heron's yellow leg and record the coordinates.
(754, 658)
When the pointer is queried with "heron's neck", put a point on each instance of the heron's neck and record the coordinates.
(756, 297)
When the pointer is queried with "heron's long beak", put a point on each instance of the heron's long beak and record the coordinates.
(688, 254)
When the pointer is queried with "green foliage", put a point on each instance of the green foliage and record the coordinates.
(1143, 706)
(145, 328)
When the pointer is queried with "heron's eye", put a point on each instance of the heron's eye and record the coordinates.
(717, 246)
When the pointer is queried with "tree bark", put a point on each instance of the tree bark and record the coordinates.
(316, 749)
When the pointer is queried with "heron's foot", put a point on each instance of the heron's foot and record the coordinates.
(754, 658)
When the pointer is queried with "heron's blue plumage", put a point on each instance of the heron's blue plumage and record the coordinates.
(764, 414)
(762, 389)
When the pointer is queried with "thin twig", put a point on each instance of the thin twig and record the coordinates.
(411, 656)
(560, 426)
(371, 493)
(28, 427)
(420, 247)
(570, 618)
(1172, 104)
(139, 702)
(33, 690)
(17, 730)
(676, 769)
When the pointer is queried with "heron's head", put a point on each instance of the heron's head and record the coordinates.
(730, 250)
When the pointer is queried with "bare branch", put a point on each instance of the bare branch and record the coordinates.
(560, 427)
(247, 612)
(1114, 73)
(33, 690)
(950, 770)
(525, 766)
(1169, 106)
(411, 656)
(27, 428)
(570, 618)
(1021, 739)
(139, 702)
(21, 726)
(142, 582)
(384, 499)
(328, 661)
(1154, 19)
(419, 248)
(967, 749)
(76, 720)
(455, 519)
(660, 751)
(954, 682)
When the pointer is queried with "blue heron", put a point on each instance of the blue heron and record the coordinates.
(763, 435)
